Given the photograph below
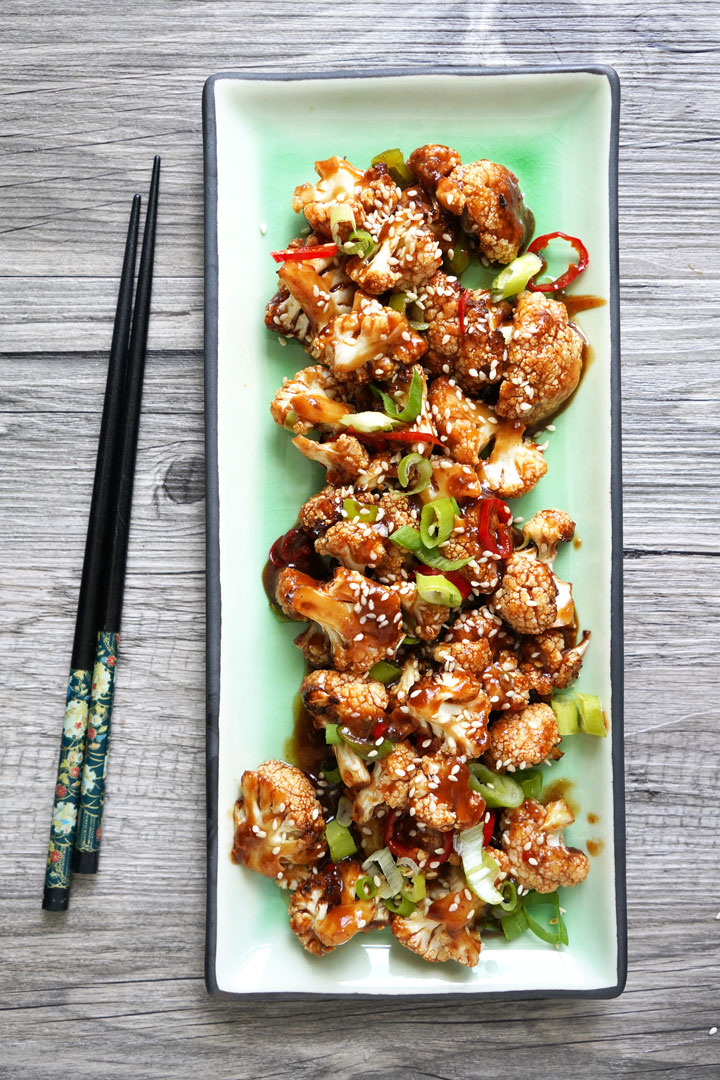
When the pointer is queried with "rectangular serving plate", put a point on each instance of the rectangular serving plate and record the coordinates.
(557, 129)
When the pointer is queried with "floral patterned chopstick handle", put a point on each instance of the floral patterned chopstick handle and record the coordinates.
(67, 793)
(92, 795)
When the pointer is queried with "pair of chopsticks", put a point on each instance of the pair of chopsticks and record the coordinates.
(80, 787)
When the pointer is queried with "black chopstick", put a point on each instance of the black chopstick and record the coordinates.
(87, 621)
(88, 833)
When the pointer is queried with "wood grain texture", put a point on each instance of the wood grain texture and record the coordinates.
(89, 92)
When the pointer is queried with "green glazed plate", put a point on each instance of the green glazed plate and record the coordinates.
(557, 130)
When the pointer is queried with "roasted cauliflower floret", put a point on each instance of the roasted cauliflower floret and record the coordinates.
(454, 707)
(325, 911)
(279, 827)
(548, 664)
(369, 342)
(544, 360)
(488, 198)
(526, 599)
(515, 464)
(355, 544)
(314, 644)
(532, 840)
(321, 510)
(353, 770)
(389, 784)
(465, 427)
(370, 196)
(425, 620)
(406, 255)
(450, 480)
(345, 457)
(507, 687)
(470, 643)
(441, 796)
(522, 739)
(310, 293)
(360, 635)
(310, 400)
(444, 227)
(442, 927)
(432, 162)
(334, 697)
(547, 529)
(472, 351)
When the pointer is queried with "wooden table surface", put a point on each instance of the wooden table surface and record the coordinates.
(90, 91)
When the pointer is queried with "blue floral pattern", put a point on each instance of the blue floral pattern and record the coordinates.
(67, 789)
(92, 795)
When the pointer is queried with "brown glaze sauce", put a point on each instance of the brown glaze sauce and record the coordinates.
(593, 819)
(595, 847)
(560, 789)
(306, 747)
(577, 543)
(575, 303)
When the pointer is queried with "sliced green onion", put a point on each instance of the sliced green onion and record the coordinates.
(496, 789)
(359, 242)
(515, 924)
(592, 721)
(332, 735)
(396, 166)
(510, 900)
(479, 866)
(339, 840)
(410, 539)
(423, 470)
(412, 407)
(531, 781)
(340, 215)
(393, 878)
(357, 512)
(385, 672)
(553, 929)
(415, 889)
(458, 262)
(437, 521)
(365, 888)
(290, 420)
(369, 422)
(515, 276)
(398, 302)
(367, 749)
(332, 776)
(436, 589)
(400, 905)
(566, 715)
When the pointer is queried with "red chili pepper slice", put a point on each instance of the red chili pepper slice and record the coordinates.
(379, 730)
(540, 243)
(376, 437)
(462, 305)
(489, 828)
(293, 548)
(457, 579)
(303, 254)
(409, 851)
(493, 531)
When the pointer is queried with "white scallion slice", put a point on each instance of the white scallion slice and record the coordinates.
(368, 422)
(388, 869)
(480, 867)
